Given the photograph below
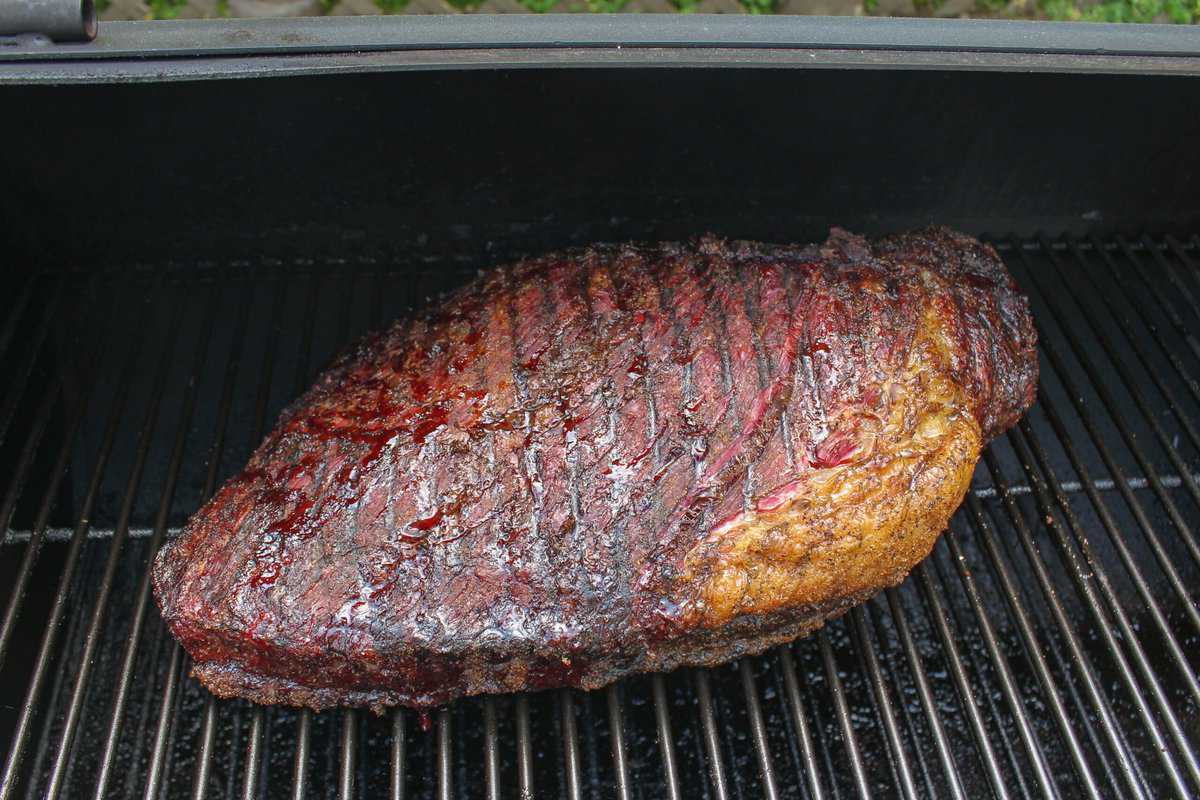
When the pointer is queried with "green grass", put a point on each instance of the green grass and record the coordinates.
(165, 9)
(760, 6)
(606, 6)
(1177, 11)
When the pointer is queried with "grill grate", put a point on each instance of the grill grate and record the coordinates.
(1048, 647)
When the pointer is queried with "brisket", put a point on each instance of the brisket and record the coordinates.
(607, 460)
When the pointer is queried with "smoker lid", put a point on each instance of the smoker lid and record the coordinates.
(157, 51)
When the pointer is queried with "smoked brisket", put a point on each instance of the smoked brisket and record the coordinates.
(613, 459)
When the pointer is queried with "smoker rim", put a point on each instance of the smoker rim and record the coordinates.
(195, 49)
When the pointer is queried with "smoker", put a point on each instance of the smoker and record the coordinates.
(196, 217)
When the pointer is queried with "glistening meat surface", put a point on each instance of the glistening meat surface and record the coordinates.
(608, 460)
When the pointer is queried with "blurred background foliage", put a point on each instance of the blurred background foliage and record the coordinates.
(1163, 11)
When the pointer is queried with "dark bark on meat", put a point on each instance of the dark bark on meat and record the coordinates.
(615, 459)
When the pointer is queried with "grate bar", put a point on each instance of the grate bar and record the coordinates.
(1115, 274)
(234, 751)
(758, 730)
(491, 753)
(666, 741)
(303, 750)
(712, 739)
(173, 727)
(1132, 387)
(929, 705)
(931, 578)
(524, 749)
(1185, 531)
(172, 730)
(800, 719)
(49, 638)
(843, 716)
(143, 592)
(349, 754)
(1172, 275)
(1033, 746)
(398, 756)
(570, 743)
(158, 754)
(1080, 662)
(22, 467)
(158, 641)
(1161, 555)
(1167, 306)
(875, 615)
(254, 754)
(1122, 548)
(1189, 265)
(1022, 443)
(100, 603)
(20, 380)
(1050, 646)
(57, 474)
(1110, 525)
(858, 631)
(823, 735)
(445, 760)
(616, 729)
(73, 636)
(1035, 654)
(1109, 310)
(208, 734)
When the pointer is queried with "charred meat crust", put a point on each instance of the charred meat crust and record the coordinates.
(608, 460)
(747, 636)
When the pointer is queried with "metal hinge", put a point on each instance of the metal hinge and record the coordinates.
(32, 21)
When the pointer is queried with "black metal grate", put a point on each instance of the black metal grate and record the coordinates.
(1049, 647)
